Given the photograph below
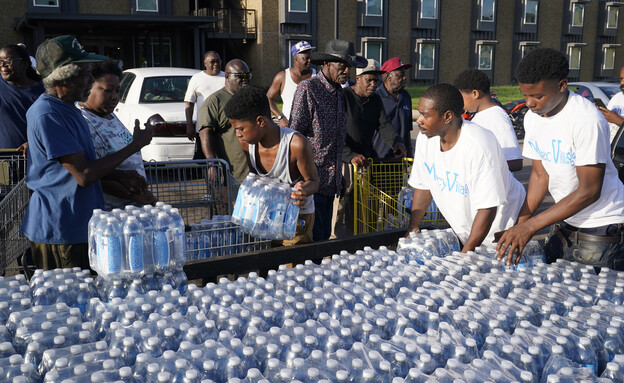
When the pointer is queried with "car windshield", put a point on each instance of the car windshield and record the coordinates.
(610, 90)
(164, 89)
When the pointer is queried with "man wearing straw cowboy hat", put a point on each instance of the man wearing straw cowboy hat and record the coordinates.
(318, 112)
(365, 117)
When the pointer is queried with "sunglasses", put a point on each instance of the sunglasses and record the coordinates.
(214, 61)
(9, 62)
(241, 76)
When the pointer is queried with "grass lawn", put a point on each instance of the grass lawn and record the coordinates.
(504, 93)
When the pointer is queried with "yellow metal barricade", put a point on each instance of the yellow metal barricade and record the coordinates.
(375, 192)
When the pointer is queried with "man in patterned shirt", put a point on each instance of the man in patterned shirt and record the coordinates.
(318, 113)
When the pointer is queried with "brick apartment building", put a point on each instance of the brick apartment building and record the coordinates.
(441, 38)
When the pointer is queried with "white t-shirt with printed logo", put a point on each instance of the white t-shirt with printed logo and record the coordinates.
(496, 120)
(200, 87)
(576, 136)
(470, 176)
(616, 104)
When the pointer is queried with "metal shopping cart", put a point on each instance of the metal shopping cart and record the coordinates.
(375, 191)
(14, 197)
(204, 191)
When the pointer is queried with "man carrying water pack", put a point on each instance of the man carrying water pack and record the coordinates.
(276, 152)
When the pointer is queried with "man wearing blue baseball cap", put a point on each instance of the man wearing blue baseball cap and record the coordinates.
(285, 82)
(63, 170)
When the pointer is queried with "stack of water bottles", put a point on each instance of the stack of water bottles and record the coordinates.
(264, 208)
(216, 237)
(371, 316)
(405, 199)
(136, 244)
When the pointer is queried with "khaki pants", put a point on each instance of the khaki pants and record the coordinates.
(48, 257)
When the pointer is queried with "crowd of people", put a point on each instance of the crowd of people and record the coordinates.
(80, 156)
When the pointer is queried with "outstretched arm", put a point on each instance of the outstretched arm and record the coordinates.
(480, 228)
(87, 172)
(420, 203)
(274, 91)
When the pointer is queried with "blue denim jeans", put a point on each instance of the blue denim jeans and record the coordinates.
(609, 255)
(323, 211)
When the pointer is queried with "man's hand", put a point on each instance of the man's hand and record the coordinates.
(359, 161)
(142, 137)
(299, 197)
(145, 198)
(132, 181)
(283, 122)
(190, 131)
(513, 241)
(399, 150)
(22, 148)
(412, 229)
(611, 116)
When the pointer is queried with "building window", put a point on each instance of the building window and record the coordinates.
(525, 49)
(485, 56)
(147, 5)
(428, 9)
(578, 14)
(530, 12)
(612, 16)
(608, 58)
(46, 3)
(426, 56)
(291, 59)
(374, 8)
(487, 10)
(297, 5)
(373, 50)
(574, 57)
(152, 55)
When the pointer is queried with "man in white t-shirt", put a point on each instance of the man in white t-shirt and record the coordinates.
(474, 86)
(460, 165)
(202, 85)
(567, 139)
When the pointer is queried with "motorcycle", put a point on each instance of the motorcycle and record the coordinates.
(516, 110)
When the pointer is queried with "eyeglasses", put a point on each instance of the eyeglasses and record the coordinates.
(214, 61)
(241, 76)
(9, 62)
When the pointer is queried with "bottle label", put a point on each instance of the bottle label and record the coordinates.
(611, 356)
(592, 367)
(135, 253)
(111, 251)
(161, 248)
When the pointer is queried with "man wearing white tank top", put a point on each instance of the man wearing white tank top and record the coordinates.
(276, 152)
(285, 82)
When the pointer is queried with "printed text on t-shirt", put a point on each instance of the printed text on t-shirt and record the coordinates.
(448, 183)
(558, 155)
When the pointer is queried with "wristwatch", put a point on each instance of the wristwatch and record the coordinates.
(279, 117)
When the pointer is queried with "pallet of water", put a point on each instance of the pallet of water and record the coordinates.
(371, 316)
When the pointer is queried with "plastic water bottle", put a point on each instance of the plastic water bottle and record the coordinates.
(179, 245)
(292, 215)
(110, 247)
(163, 237)
(134, 241)
(95, 219)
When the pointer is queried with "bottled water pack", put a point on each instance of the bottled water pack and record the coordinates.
(264, 208)
(405, 199)
(130, 243)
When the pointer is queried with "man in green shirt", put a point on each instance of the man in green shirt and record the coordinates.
(218, 139)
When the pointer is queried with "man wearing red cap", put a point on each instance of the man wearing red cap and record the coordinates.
(398, 106)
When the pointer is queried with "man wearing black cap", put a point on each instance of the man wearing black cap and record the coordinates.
(365, 117)
(318, 113)
(397, 104)
(286, 81)
(63, 169)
